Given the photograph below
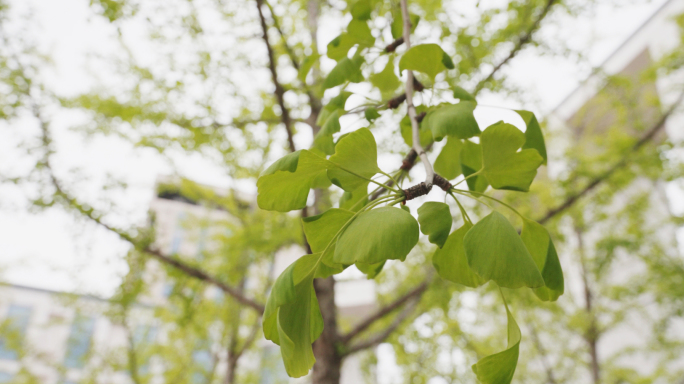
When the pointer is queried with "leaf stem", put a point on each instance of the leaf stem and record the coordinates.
(461, 192)
(357, 175)
(469, 176)
(466, 218)
(492, 198)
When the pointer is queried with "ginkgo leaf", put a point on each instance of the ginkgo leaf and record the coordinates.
(371, 270)
(338, 47)
(538, 242)
(397, 26)
(356, 158)
(292, 318)
(336, 103)
(371, 114)
(284, 190)
(386, 80)
(471, 162)
(462, 94)
(361, 10)
(360, 33)
(451, 262)
(377, 235)
(306, 66)
(448, 163)
(500, 368)
(346, 70)
(456, 120)
(324, 138)
(503, 166)
(429, 59)
(533, 134)
(356, 199)
(435, 221)
(321, 229)
(496, 252)
(285, 163)
(406, 129)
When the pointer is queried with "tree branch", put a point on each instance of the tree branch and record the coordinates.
(146, 248)
(429, 172)
(620, 164)
(397, 303)
(279, 90)
(524, 39)
(381, 336)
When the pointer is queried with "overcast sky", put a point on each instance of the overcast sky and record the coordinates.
(51, 250)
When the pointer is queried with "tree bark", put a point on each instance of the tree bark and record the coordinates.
(328, 364)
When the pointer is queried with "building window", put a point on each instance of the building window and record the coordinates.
(13, 331)
(79, 342)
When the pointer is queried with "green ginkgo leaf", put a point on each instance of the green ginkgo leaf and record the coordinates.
(386, 80)
(284, 190)
(435, 221)
(456, 120)
(496, 252)
(462, 94)
(533, 134)
(448, 163)
(356, 158)
(406, 129)
(500, 368)
(338, 47)
(292, 318)
(336, 103)
(371, 270)
(324, 138)
(397, 26)
(306, 66)
(451, 262)
(538, 242)
(378, 235)
(320, 230)
(471, 162)
(361, 10)
(360, 33)
(346, 70)
(286, 163)
(356, 199)
(429, 59)
(503, 166)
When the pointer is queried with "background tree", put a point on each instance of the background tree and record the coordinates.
(176, 101)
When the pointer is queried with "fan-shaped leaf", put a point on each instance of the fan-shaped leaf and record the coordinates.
(448, 163)
(496, 252)
(435, 221)
(533, 134)
(284, 190)
(504, 167)
(429, 59)
(378, 235)
(324, 138)
(462, 94)
(398, 24)
(356, 152)
(451, 262)
(407, 129)
(455, 120)
(540, 246)
(346, 70)
(471, 162)
(386, 80)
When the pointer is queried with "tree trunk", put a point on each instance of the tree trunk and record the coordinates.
(592, 334)
(326, 370)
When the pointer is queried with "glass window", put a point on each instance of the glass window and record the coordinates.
(13, 331)
(79, 341)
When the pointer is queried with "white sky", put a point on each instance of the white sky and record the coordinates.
(51, 250)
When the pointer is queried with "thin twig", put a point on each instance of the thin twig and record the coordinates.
(279, 90)
(524, 39)
(647, 137)
(429, 172)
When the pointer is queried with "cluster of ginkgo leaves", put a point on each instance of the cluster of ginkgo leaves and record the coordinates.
(366, 232)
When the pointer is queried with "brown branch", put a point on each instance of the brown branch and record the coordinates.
(394, 45)
(382, 312)
(647, 137)
(381, 336)
(279, 90)
(90, 214)
(524, 39)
